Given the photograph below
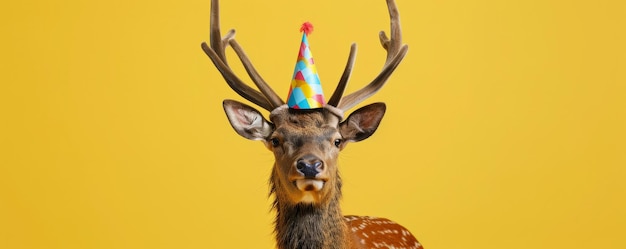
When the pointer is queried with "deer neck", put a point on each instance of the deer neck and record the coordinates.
(309, 226)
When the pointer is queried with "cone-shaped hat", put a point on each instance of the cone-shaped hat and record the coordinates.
(305, 91)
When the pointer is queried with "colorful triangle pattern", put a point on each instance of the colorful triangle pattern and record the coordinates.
(306, 90)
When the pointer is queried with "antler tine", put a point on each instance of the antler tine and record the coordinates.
(269, 93)
(266, 98)
(343, 82)
(394, 44)
(395, 53)
(235, 83)
(215, 35)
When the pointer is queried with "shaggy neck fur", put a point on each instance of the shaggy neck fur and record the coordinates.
(309, 226)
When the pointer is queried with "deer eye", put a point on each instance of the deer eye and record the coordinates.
(275, 142)
(337, 142)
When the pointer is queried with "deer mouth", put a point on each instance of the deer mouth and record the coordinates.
(305, 185)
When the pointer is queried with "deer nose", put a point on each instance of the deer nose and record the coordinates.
(309, 166)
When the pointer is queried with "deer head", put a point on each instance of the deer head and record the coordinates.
(305, 143)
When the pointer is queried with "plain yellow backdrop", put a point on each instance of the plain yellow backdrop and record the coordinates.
(506, 122)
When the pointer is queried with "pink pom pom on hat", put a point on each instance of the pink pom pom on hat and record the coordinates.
(306, 90)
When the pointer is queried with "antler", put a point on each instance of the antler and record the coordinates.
(395, 53)
(266, 98)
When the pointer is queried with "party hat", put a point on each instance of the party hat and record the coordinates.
(305, 91)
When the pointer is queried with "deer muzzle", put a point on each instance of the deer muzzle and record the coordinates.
(310, 170)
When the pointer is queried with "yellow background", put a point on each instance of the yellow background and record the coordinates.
(506, 122)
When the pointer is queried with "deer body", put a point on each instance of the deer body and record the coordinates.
(305, 181)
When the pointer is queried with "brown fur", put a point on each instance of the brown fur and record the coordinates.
(318, 225)
(305, 180)
(314, 226)
(310, 217)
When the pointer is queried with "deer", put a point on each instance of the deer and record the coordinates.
(305, 181)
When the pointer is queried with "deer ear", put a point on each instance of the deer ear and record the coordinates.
(362, 123)
(247, 121)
